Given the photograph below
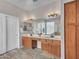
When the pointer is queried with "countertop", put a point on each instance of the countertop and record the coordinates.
(49, 38)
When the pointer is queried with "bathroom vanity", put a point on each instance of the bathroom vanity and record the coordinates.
(51, 46)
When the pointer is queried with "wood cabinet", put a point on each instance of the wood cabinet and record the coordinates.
(52, 47)
(27, 42)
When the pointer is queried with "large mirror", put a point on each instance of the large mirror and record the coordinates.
(46, 26)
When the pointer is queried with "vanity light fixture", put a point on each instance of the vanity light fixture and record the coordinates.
(52, 14)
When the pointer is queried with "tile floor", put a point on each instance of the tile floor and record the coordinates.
(24, 53)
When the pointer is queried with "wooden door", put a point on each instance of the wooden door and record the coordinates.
(70, 30)
(77, 29)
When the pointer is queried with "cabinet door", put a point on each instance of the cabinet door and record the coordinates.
(50, 47)
(77, 29)
(70, 30)
(24, 42)
(42, 46)
(29, 43)
(45, 45)
(55, 50)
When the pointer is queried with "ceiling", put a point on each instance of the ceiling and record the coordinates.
(30, 5)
